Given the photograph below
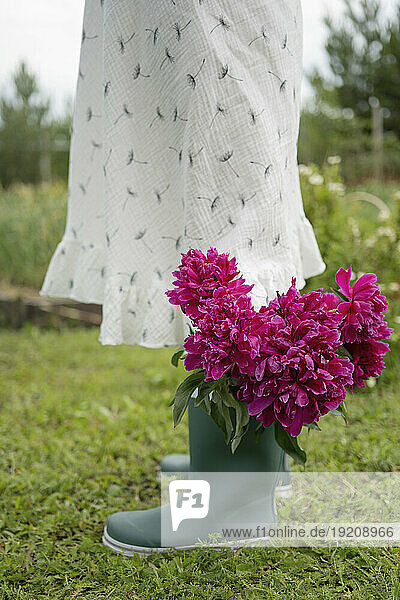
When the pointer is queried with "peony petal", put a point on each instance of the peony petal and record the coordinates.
(267, 417)
(259, 404)
(342, 278)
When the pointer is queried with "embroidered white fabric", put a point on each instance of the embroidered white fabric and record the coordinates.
(184, 135)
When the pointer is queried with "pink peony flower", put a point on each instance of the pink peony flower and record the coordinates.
(297, 377)
(368, 360)
(198, 276)
(363, 312)
(226, 333)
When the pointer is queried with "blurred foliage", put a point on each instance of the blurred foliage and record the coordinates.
(352, 226)
(33, 145)
(324, 131)
(364, 58)
(32, 221)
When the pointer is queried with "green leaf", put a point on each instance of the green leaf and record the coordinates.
(241, 414)
(343, 352)
(223, 409)
(341, 411)
(221, 417)
(205, 388)
(206, 405)
(242, 422)
(226, 415)
(184, 393)
(339, 294)
(177, 355)
(259, 431)
(289, 444)
(312, 426)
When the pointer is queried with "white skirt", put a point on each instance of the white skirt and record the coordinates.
(184, 135)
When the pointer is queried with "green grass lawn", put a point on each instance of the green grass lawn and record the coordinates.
(82, 429)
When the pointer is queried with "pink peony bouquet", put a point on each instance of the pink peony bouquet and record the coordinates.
(287, 364)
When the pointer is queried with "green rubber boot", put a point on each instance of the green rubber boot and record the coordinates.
(139, 531)
(180, 463)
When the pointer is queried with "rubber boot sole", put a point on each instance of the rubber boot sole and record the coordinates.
(130, 550)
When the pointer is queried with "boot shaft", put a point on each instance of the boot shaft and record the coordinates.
(209, 452)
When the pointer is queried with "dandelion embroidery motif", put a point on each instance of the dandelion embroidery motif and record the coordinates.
(220, 111)
(90, 115)
(285, 44)
(179, 152)
(122, 43)
(150, 300)
(223, 72)
(125, 113)
(159, 115)
(131, 194)
(179, 29)
(155, 32)
(283, 82)
(254, 116)
(83, 186)
(179, 240)
(267, 168)
(281, 133)
(131, 159)
(263, 36)
(132, 276)
(243, 199)
(192, 156)
(225, 158)
(110, 236)
(106, 86)
(214, 201)
(191, 79)
(168, 56)
(222, 22)
(87, 37)
(140, 235)
(176, 116)
(137, 71)
(75, 231)
(95, 146)
(102, 271)
(229, 224)
(159, 194)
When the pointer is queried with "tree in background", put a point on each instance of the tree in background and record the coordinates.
(364, 59)
(28, 134)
